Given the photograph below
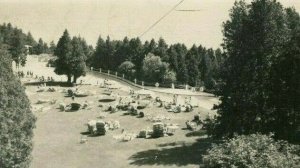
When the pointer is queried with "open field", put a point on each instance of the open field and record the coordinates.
(58, 134)
(57, 137)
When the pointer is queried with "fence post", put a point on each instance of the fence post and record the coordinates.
(123, 76)
(108, 72)
(135, 81)
(100, 70)
(143, 84)
(173, 86)
(116, 73)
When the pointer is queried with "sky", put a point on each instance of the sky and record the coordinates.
(119, 18)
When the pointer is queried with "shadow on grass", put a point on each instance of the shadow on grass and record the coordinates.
(71, 111)
(50, 83)
(88, 134)
(180, 154)
(196, 133)
(85, 133)
(171, 144)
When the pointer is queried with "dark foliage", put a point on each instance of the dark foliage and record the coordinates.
(259, 80)
(196, 67)
(71, 57)
(16, 118)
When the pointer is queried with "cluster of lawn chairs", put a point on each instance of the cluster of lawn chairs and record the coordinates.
(125, 137)
(73, 106)
(172, 106)
(157, 118)
(195, 124)
(159, 129)
(100, 127)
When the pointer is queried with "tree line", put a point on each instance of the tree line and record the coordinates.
(150, 61)
(196, 66)
(16, 41)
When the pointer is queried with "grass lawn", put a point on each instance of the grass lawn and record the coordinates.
(58, 134)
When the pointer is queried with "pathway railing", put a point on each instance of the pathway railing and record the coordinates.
(142, 84)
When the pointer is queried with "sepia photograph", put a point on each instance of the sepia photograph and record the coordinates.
(149, 83)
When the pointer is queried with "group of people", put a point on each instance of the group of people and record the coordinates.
(20, 74)
(30, 74)
(43, 79)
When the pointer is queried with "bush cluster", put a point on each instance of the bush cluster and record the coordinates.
(255, 151)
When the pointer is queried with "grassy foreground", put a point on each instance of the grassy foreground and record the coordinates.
(58, 134)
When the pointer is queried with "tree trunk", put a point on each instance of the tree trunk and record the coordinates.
(75, 79)
(69, 78)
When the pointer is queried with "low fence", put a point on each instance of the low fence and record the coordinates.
(141, 84)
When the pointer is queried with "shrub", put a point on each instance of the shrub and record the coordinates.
(127, 68)
(253, 151)
(51, 62)
(16, 119)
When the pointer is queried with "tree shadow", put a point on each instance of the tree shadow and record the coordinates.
(171, 144)
(50, 83)
(196, 133)
(180, 154)
(85, 133)
(71, 110)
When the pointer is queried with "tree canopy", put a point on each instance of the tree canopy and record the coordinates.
(71, 58)
(256, 95)
(154, 69)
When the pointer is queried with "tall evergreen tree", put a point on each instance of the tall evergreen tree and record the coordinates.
(285, 84)
(40, 47)
(52, 47)
(136, 54)
(87, 49)
(17, 46)
(253, 37)
(99, 53)
(30, 40)
(173, 58)
(109, 58)
(182, 73)
(63, 52)
(122, 51)
(209, 69)
(192, 62)
(150, 47)
(77, 59)
(161, 49)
